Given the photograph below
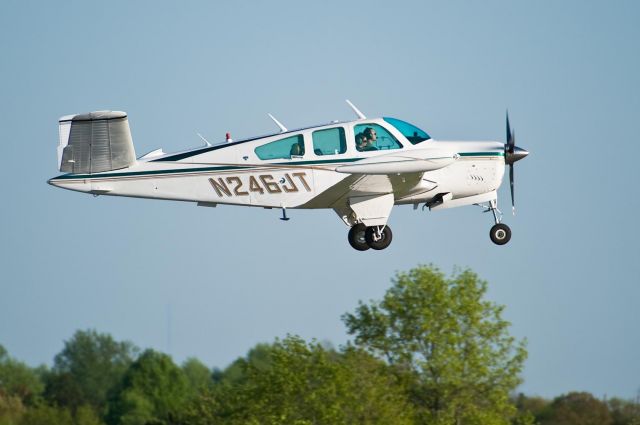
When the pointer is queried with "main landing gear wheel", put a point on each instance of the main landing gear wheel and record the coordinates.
(500, 234)
(356, 237)
(378, 237)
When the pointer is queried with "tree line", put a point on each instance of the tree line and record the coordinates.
(432, 351)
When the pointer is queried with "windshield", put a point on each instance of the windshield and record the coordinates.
(410, 131)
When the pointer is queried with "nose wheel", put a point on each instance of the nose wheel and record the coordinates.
(500, 233)
(362, 238)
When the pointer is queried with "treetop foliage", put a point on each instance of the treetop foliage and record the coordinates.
(87, 368)
(19, 380)
(304, 383)
(153, 390)
(432, 351)
(451, 345)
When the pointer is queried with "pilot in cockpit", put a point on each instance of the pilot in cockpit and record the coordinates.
(365, 141)
(371, 138)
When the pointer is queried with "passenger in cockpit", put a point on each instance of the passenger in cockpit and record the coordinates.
(297, 149)
(360, 142)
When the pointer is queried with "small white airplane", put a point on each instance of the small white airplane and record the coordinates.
(359, 168)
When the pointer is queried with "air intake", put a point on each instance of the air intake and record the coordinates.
(95, 142)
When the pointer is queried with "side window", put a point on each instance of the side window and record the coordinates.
(374, 137)
(329, 142)
(291, 147)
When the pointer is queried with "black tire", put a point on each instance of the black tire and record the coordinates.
(500, 234)
(385, 240)
(356, 237)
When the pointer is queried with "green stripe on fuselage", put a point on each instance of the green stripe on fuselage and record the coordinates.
(231, 167)
(200, 169)
(500, 153)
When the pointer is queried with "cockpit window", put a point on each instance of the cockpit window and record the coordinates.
(374, 137)
(289, 148)
(410, 131)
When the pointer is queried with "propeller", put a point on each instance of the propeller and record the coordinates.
(512, 153)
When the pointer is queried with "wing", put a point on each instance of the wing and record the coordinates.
(374, 185)
(416, 161)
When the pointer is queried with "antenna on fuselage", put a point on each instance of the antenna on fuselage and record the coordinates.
(356, 110)
(205, 140)
(278, 123)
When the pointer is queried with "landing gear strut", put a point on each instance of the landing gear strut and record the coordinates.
(378, 237)
(500, 233)
(362, 238)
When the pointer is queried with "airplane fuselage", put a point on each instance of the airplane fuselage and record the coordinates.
(359, 168)
(232, 174)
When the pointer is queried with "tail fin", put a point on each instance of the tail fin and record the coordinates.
(95, 142)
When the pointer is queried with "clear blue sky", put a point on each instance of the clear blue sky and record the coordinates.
(569, 72)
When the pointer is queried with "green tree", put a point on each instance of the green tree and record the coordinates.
(47, 415)
(307, 384)
(11, 409)
(259, 357)
(451, 347)
(624, 412)
(19, 380)
(577, 408)
(536, 405)
(86, 415)
(198, 375)
(87, 369)
(529, 408)
(154, 390)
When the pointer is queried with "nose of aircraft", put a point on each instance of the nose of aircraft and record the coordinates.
(514, 155)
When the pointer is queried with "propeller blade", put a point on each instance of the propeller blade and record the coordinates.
(511, 155)
(511, 136)
(513, 201)
(508, 129)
